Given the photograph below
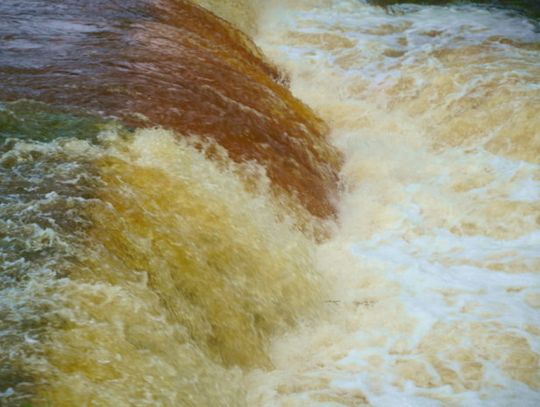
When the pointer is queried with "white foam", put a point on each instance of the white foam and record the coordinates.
(438, 247)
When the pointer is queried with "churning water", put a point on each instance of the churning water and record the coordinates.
(170, 227)
(436, 256)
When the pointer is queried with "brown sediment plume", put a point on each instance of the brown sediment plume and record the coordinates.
(173, 64)
(166, 267)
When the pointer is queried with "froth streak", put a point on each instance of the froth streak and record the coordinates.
(173, 64)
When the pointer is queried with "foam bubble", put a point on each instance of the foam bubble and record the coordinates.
(435, 262)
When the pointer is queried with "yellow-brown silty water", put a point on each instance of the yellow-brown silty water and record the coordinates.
(436, 256)
(172, 227)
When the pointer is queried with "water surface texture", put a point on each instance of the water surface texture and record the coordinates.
(167, 63)
(161, 195)
(179, 228)
(436, 257)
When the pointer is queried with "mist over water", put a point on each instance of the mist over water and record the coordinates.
(171, 231)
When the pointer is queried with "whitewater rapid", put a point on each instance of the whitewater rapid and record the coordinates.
(433, 268)
(176, 228)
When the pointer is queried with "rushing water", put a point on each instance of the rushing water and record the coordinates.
(435, 259)
(200, 262)
(161, 194)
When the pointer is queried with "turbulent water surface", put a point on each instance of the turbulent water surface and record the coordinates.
(171, 231)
